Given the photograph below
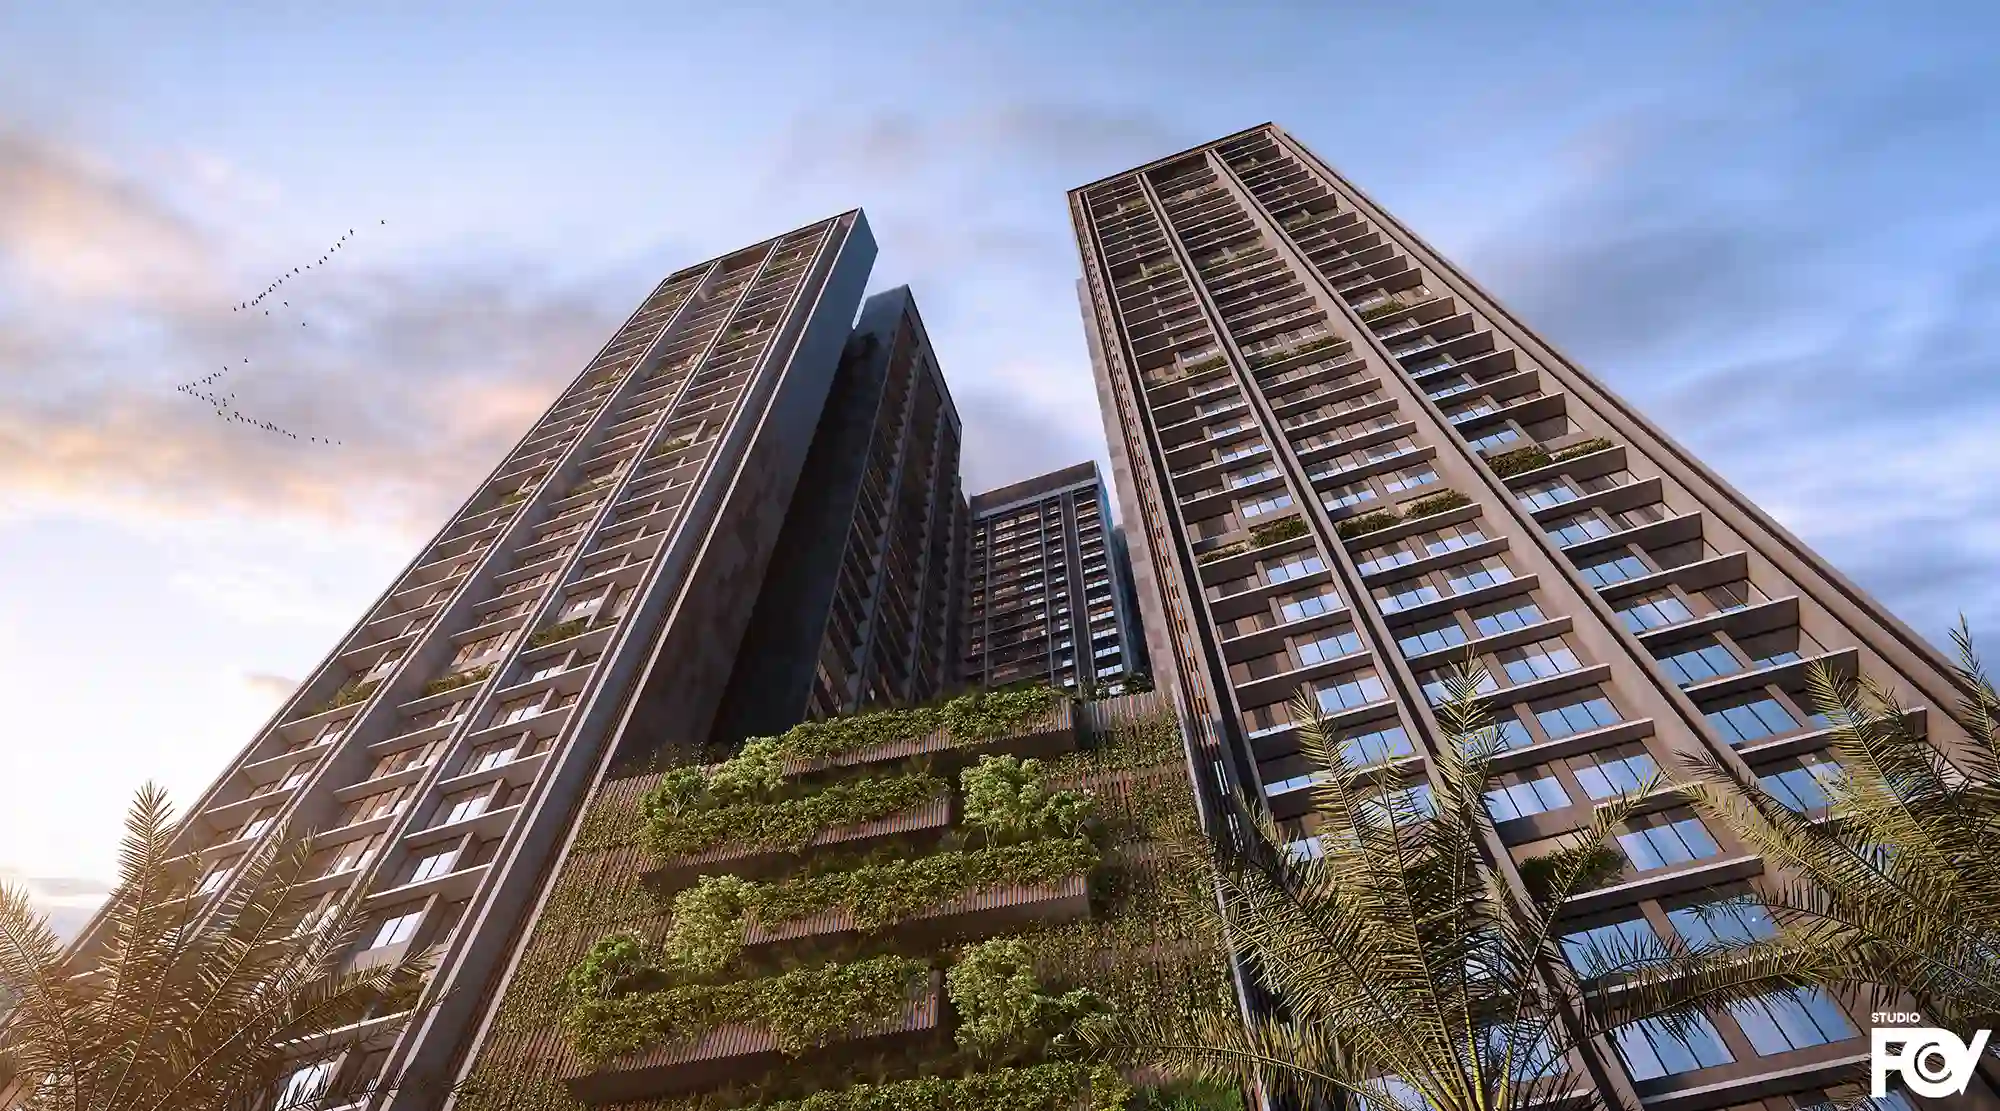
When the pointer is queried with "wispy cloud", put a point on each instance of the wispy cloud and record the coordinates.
(1684, 254)
(67, 902)
(425, 375)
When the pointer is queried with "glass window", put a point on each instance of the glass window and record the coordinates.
(1432, 682)
(1451, 538)
(1506, 617)
(1802, 785)
(1653, 1048)
(1331, 646)
(258, 823)
(1407, 594)
(1699, 660)
(436, 864)
(1735, 920)
(1614, 570)
(1601, 949)
(1299, 606)
(1499, 437)
(1576, 717)
(1407, 804)
(1529, 796)
(1539, 660)
(1236, 451)
(1504, 733)
(1409, 479)
(1262, 506)
(1447, 386)
(304, 1086)
(1616, 772)
(1432, 637)
(492, 755)
(1297, 567)
(1795, 1019)
(1732, 596)
(1376, 747)
(1384, 558)
(1547, 495)
(1347, 497)
(1671, 842)
(1577, 529)
(1782, 647)
(396, 930)
(215, 876)
(1480, 573)
(1360, 690)
(1655, 610)
(1752, 720)
(469, 804)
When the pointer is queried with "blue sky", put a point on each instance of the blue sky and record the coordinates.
(1773, 228)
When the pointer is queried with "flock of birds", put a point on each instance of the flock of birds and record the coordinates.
(204, 389)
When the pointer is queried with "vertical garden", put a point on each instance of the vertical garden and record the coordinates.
(909, 909)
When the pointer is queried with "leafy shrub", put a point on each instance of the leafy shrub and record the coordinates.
(803, 1009)
(968, 717)
(678, 823)
(1291, 528)
(350, 694)
(1518, 461)
(758, 770)
(559, 632)
(1539, 873)
(1223, 552)
(459, 679)
(1000, 1002)
(1584, 447)
(881, 894)
(611, 967)
(707, 931)
(1367, 523)
(1010, 798)
(1440, 502)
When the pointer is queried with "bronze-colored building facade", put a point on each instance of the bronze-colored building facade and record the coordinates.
(1343, 467)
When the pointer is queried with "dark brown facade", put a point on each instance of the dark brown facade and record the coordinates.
(860, 606)
(1344, 466)
(1046, 594)
(579, 595)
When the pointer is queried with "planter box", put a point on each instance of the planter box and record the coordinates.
(926, 822)
(734, 1053)
(1051, 735)
(992, 911)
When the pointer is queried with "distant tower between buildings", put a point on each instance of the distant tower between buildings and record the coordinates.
(1344, 467)
(1046, 597)
(861, 606)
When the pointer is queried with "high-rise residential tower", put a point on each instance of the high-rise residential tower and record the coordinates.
(861, 605)
(1343, 466)
(1046, 598)
(594, 585)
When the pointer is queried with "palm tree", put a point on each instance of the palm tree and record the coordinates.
(173, 1011)
(1409, 971)
(1897, 885)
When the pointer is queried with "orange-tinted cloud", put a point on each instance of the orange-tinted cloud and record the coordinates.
(109, 298)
